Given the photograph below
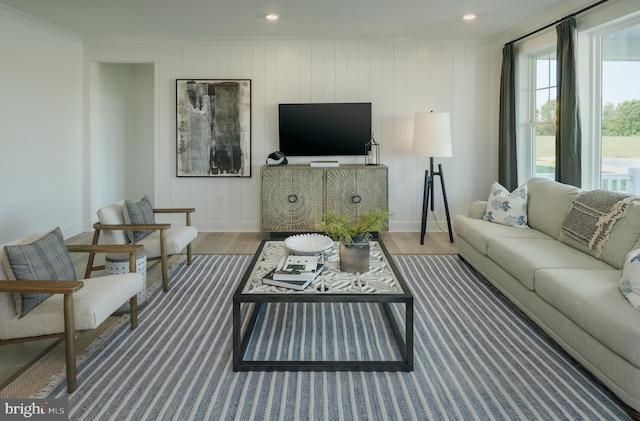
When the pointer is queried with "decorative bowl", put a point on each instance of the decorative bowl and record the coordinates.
(308, 244)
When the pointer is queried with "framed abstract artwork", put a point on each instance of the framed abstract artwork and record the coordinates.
(213, 127)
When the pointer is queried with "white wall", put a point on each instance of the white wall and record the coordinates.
(121, 128)
(41, 151)
(399, 78)
(139, 149)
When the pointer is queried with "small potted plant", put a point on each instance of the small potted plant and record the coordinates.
(354, 235)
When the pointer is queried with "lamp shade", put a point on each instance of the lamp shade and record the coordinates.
(432, 134)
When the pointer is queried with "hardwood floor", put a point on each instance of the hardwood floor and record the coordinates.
(15, 358)
(248, 242)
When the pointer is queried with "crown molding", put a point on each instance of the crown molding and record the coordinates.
(38, 23)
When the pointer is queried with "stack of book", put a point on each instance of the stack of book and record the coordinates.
(295, 272)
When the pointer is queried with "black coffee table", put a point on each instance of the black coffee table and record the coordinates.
(383, 285)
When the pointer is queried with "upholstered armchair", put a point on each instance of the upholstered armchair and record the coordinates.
(40, 297)
(127, 222)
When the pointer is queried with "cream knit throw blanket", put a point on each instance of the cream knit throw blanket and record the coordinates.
(593, 215)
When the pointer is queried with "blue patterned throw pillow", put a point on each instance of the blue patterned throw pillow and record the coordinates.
(507, 208)
(140, 212)
(630, 280)
(46, 259)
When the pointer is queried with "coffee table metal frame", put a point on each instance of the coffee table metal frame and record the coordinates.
(241, 340)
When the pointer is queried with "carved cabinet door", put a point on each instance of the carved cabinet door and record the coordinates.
(357, 189)
(292, 198)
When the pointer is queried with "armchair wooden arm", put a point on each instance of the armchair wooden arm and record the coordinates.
(187, 211)
(174, 210)
(105, 248)
(41, 287)
(94, 248)
(131, 227)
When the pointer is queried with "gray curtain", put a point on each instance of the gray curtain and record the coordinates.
(507, 156)
(568, 135)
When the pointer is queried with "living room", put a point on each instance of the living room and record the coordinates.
(89, 119)
(103, 154)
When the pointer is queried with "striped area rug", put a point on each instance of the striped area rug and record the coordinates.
(475, 358)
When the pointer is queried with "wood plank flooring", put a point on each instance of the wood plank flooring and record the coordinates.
(248, 242)
(15, 358)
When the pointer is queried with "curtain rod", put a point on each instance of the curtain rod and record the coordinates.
(558, 21)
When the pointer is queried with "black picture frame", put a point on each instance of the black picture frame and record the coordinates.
(213, 127)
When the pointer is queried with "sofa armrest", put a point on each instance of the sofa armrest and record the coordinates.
(477, 209)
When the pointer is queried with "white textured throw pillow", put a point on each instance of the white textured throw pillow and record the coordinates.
(630, 281)
(507, 208)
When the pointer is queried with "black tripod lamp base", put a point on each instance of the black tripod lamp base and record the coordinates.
(429, 195)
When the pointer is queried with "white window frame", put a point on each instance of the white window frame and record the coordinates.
(527, 53)
(591, 27)
(590, 91)
(533, 90)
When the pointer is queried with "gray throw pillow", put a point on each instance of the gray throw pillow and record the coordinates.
(46, 259)
(140, 212)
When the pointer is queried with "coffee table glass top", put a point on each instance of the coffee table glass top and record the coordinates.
(380, 279)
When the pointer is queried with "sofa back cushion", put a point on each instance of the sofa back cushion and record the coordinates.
(548, 205)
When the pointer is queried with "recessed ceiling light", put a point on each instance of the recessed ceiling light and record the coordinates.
(469, 17)
(272, 16)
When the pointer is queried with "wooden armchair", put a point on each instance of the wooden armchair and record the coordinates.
(164, 241)
(74, 305)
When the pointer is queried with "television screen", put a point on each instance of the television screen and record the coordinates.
(324, 129)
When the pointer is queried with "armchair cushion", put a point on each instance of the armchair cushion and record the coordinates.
(45, 259)
(177, 238)
(99, 298)
(140, 212)
(113, 215)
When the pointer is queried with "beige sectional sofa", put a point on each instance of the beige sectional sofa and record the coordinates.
(561, 285)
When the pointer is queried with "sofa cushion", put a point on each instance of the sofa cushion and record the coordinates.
(522, 258)
(548, 204)
(630, 280)
(45, 259)
(478, 232)
(592, 299)
(507, 208)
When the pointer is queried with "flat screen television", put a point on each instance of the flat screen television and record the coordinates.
(324, 129)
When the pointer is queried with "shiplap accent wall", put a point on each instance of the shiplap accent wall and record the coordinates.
(399, 78)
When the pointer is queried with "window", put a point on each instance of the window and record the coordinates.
(620, 110)
(608, 57)
(544, 113)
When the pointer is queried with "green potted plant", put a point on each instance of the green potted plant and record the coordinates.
(343, 227)
(354, 235)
